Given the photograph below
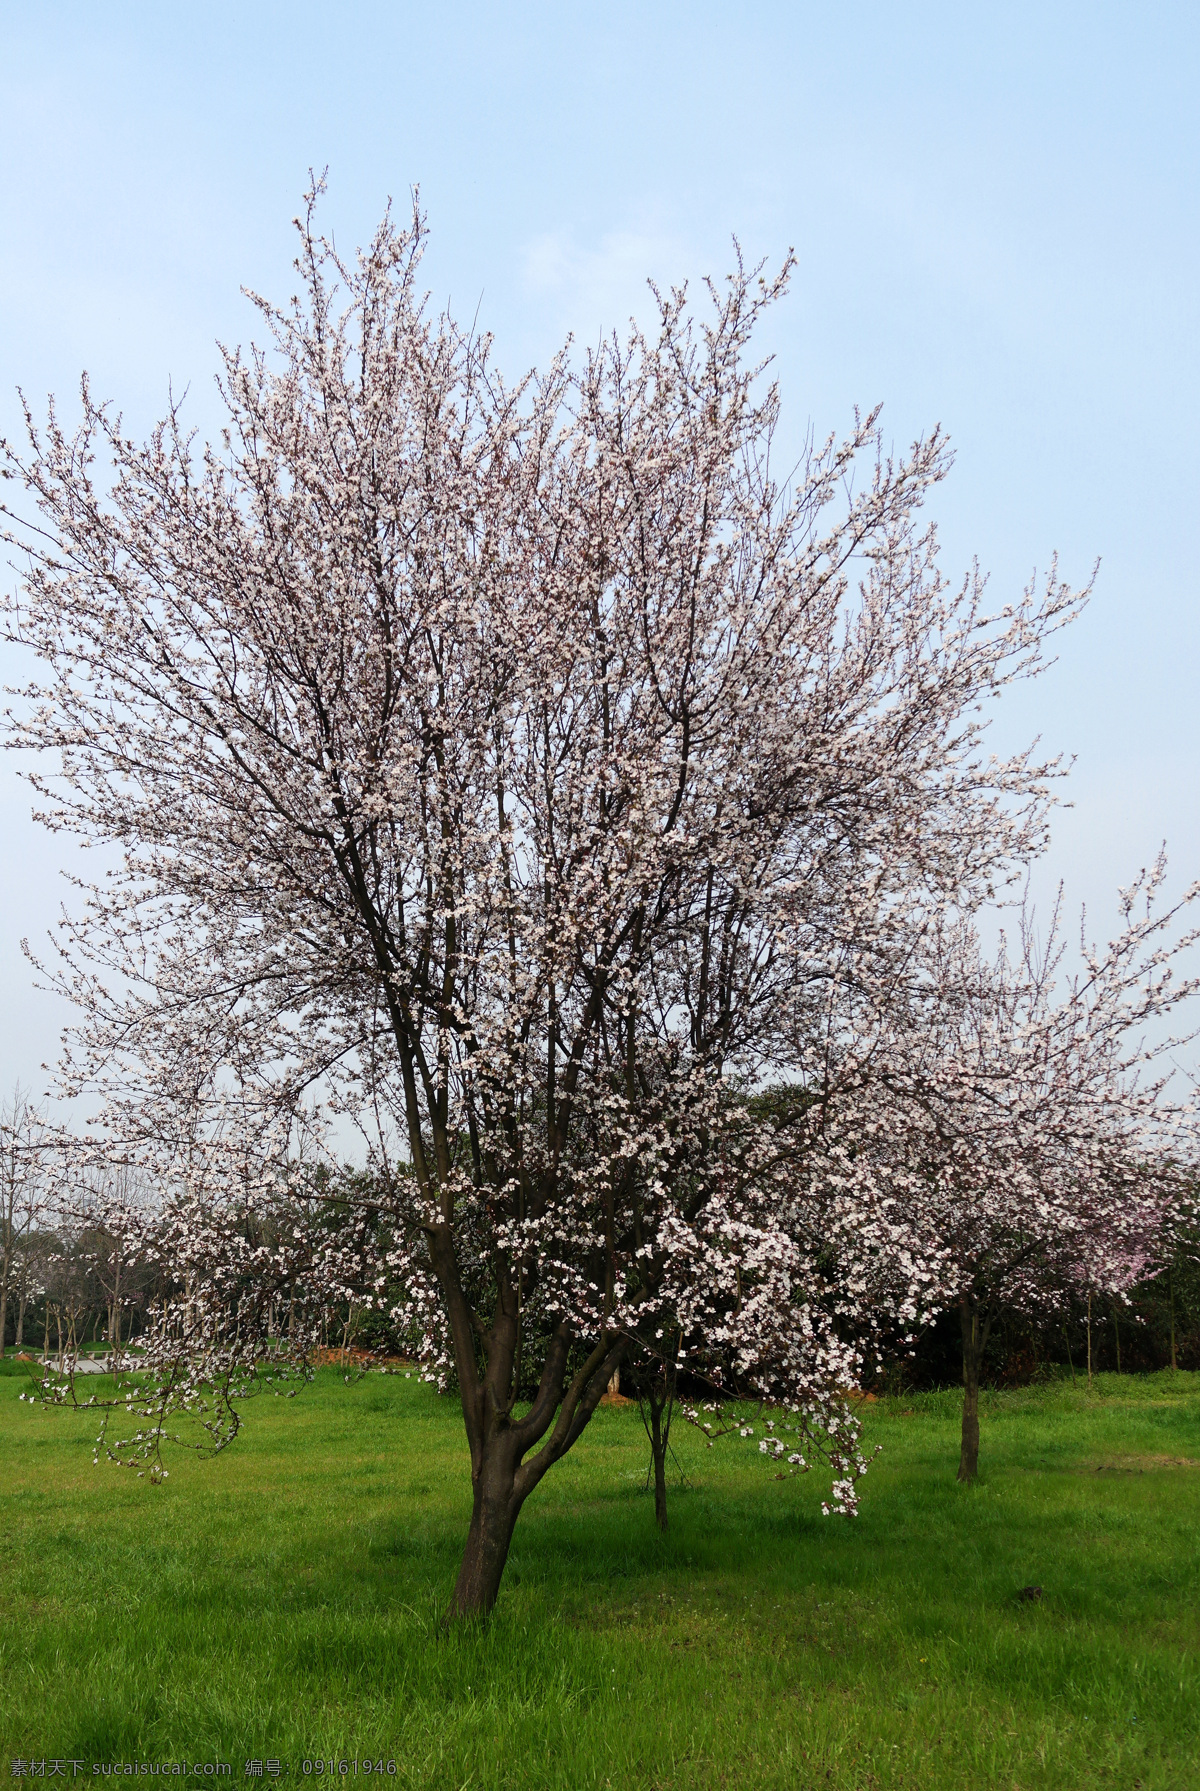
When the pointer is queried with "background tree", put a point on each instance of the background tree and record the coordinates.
(24, 1147)
(107, 1208)
(1014, 1136)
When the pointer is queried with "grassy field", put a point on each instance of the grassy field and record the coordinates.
(282, 1601)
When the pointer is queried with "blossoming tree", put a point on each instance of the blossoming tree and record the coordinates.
(519, 767)
(1008, 1128)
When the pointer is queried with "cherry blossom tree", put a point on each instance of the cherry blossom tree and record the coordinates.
(1007, 1131)
(516, 770)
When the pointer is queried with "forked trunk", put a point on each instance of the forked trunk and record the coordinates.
(658, 1449)
(974, 1336)
(656, 1402)
(502, 1480)
(493, 1517)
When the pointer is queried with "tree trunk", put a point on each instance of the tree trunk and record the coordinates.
(1070, 1358)
(1089, 1340)
(501, 1478)
(658, 1448)
(493, 1517)
(1171, 1295)
(974, 1338)
(656, 1404)
(1117, 1337)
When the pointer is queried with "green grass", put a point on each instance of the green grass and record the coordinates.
(283, 1600)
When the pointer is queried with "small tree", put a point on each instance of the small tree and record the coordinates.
(23, 1152)
(522, 767)
(1014, 1136)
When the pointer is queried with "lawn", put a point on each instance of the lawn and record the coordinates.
(282, 1602)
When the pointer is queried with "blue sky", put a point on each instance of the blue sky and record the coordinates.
(994, 210)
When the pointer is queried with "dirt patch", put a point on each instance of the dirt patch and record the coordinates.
(1138, 1464)
(360, 1358)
